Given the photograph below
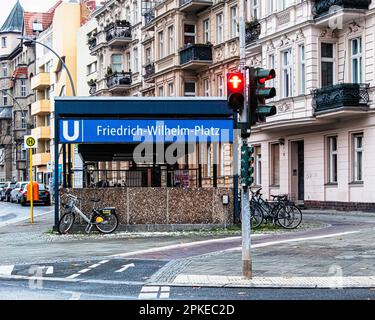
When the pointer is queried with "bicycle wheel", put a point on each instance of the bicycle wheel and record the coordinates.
(106, 223)
(289, 216)
(66, 222)
(256, 216)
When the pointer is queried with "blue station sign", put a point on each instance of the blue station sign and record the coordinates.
(145, 130)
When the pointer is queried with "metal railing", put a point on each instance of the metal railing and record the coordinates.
(341, 95)
(252, 32)
(121, 78)
(149, 70)
(117, 32)
(196, 52)
(324, 7)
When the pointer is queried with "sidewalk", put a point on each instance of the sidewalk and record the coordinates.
(346, 260)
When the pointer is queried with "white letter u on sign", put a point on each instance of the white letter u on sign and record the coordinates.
(66, 135)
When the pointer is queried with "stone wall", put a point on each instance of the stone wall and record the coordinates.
(340, 206)
(161, 206)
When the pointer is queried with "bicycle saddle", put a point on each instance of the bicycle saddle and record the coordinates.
(95, 200)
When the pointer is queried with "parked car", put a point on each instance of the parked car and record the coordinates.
(2, 184)
(8, 187)
(15, 194)
(44, 196)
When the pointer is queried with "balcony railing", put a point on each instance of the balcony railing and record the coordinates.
(149, 70)
(252, 32)
(119, 79)
(92, 89)
(324, 7)
(340, 96)
(92, 43)
(6, 113)
(119, 33)
(196, 52)
(149, 16)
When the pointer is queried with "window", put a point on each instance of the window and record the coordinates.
(189, 34)
(219, 28)
(234, 21)
(170, 89)
(327, 64)
(170, 40)
(4, 69)
(148, 55)
(161, 44)
(116, 63)
(23, 120)
(92, 67)
(271, 65)
(128, 61)
(220, 86)
(135, 12)
(302, 70)
(23, 88)
(275, 164)
(3, 42)
(5, 97)
(48, 66)
(189, 89)
(358, 157)
(271, 7)
(332, 159)
(206, 31)
(161, 91)
(206, 84)
(287, 73)
(256, 9)
(258, 166)
(136, 60)
(356, 58)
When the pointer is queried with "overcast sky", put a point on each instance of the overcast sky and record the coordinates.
(29, 5)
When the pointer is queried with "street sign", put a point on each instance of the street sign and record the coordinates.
(136, 130)
(30, 142)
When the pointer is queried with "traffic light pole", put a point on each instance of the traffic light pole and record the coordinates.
(245, 133)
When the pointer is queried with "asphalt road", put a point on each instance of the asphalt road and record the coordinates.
(34, 266)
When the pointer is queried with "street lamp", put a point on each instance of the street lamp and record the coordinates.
(27, 41)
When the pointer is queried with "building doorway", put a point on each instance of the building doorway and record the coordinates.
(297, 171)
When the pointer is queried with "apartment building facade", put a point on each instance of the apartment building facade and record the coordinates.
(319, 147)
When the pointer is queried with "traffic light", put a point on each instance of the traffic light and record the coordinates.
(236, 90)
(259, 93)
(247, 165)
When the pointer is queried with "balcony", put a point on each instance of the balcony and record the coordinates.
(41, 133)
(92, 43)
(6, 113)
(119, 82)
(92, 89)
(40, 107)
(149, 71)
(252, 32)
(149, 17)
(41, 159)
(327, 7)
(348, 98)
(40, 81)
(194, 6)
(196, 56)
(118, 35)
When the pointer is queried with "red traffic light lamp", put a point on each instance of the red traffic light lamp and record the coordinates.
(236, 90)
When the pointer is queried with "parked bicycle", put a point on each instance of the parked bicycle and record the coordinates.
(280, 211)
(105, 220)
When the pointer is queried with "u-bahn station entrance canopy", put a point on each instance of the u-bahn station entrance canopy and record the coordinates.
(155, 159)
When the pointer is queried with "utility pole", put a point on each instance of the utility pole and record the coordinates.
(244, 125)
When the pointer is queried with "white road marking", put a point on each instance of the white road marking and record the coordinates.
(84, 270)
(152, 292)
(175, 246)
(94, 266)
(103, 262)
(271, 243)
(75, 296)
(49, 270)
(125, 267)
(6, 270)
(73, 276)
